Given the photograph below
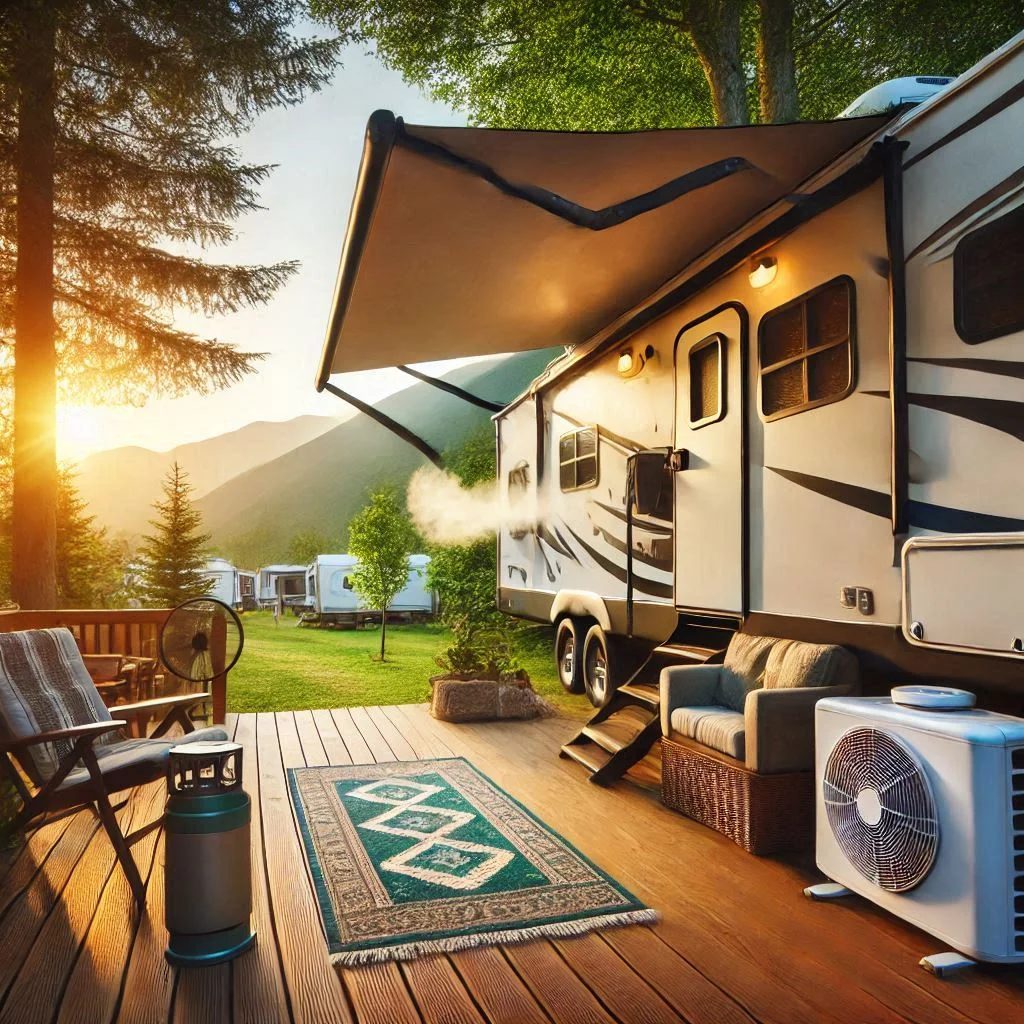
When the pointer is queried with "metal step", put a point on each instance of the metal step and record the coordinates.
(617, 731)
(685, 652)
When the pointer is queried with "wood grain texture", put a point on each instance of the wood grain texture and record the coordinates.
(94, 988)
(314, 990)
(736, 941)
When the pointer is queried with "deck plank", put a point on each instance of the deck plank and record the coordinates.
(349, 732)
(555, 985)
(258, 992)
(94, 988)
(314, 990)
(334, 746)
(399, 745)
(371, 736)
(28, 913)
(39, 986)
(496, 988)
(309, 737)
(441, 996)
(26, 860)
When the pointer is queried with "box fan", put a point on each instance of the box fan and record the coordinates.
(920, 809)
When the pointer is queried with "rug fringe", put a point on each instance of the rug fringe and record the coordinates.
(454, 943)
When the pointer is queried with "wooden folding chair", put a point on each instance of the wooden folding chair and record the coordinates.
(63, 750)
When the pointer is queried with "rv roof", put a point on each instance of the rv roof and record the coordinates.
(476, 241)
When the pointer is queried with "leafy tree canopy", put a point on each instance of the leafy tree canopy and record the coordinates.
(305, 545)
(382, 538)
(636, 64)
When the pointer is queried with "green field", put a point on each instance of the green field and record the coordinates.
(288, 668)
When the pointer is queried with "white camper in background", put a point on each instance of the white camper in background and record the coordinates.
(247, 590)
(334, 601)
(225, 582)
(792, 398)
(286, 581)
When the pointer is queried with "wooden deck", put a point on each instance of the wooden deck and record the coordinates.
(737, 942)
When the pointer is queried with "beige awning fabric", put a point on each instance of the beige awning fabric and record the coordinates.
(475, 241)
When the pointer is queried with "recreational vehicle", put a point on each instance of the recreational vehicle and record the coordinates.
(225, 579)
(287, 582)
(247, 590)
(792, 396)
(333, 599)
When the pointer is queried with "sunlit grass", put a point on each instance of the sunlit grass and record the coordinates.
(287, 668)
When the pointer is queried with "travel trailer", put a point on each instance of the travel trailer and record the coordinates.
(247, 590)
(334, 601)
(226, 585)
(792, 397)
(285, 581)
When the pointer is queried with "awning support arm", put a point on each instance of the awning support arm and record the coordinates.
(581, 216)
(452, 389)
(386, 421)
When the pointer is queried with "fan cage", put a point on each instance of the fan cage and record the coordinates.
(189, 639)
(897, 851)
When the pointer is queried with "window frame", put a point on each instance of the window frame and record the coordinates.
(717, 339)
(577, 458)
(979, 337)
(803, 357)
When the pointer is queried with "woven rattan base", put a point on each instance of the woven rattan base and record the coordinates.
(762, 813)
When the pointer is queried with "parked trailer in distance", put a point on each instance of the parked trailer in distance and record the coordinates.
(225, 582)
(333, 600)
(285, 581)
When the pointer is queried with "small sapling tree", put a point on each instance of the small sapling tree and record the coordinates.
(381, 537)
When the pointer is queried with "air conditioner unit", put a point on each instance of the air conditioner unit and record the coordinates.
(920, 809)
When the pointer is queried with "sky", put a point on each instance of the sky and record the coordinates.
(317, 146)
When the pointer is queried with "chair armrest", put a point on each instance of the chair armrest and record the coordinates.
(103, 667)
(686, 686)
(779, 727)
(180, 700)
(74, 732)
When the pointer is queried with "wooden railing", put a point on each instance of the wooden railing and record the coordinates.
(129, 631)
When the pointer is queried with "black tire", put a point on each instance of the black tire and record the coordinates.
(598, 664)
(568, 648)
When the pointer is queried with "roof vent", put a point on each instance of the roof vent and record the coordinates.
(896, 93)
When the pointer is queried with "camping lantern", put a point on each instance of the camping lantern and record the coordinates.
(208, 879)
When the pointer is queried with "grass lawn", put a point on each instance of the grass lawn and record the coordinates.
(285, 668)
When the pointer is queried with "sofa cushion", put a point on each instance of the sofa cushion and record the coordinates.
(733, 688)
(793, 663)
(747, 656)
(720, 728)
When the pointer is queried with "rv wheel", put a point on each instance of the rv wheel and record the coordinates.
(597, 668)
(568, 655)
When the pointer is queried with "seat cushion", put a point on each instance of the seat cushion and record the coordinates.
(720, 728)
(793, 663)
(119, 759)
(45, 686)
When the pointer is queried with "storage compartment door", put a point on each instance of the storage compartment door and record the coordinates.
(965, 592)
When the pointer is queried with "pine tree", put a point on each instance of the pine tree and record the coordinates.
(113, 120)
(173, 556)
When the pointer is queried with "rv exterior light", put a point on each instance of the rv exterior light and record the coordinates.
(763, 270)
(625, 362)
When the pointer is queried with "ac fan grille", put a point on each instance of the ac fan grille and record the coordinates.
(1016, 902)
(894, 847)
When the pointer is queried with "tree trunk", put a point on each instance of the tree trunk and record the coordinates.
(715, 30)
(383, 632)
(776, 69)
(34, 523)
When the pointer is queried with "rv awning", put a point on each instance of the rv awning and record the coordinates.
(475, 241)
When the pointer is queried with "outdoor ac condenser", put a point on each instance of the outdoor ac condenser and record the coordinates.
(920, 809)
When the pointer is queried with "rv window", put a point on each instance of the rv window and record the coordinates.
(806, 350)
(346, 583)
(707, 392)
(577, 459)
(988, 280)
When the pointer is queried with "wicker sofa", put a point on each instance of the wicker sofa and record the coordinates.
(738, 738)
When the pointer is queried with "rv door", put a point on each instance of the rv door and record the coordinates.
(709, 491)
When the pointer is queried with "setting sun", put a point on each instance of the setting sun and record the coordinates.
(78, 431)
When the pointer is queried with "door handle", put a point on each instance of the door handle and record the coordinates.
(679, 460)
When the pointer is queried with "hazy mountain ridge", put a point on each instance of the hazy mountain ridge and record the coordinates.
(120, 485)
(320, 484)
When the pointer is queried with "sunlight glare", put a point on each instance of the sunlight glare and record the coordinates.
(78, 431)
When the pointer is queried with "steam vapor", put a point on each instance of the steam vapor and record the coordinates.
(446, 512)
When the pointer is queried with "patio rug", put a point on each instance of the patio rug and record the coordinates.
(417, 857)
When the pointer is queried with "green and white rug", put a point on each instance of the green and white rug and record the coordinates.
(416, 857)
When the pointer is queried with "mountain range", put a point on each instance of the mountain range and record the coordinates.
(258, 486)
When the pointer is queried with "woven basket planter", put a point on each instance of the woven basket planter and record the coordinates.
(762, 813)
